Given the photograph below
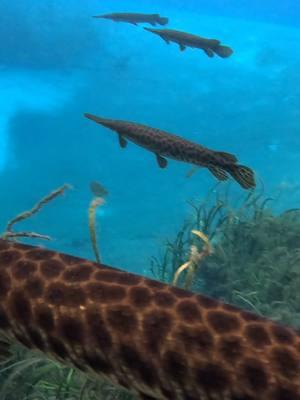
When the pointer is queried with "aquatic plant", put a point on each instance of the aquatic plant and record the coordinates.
(99, 193)
(256, 259)
(11, 234)
(95, 203)
(196, 258)
(30, 376)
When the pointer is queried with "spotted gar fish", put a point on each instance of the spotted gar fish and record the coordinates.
(135, 18)
(164, 144)
(184, 40)
(158, 341)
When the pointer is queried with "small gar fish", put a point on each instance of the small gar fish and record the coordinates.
(184, 40)
(157, 341)
(135, 18)
(164, 144)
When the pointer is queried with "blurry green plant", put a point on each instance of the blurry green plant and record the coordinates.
(256, 254)
(29, 375)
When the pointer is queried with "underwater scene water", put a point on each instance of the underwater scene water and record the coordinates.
(73, 87)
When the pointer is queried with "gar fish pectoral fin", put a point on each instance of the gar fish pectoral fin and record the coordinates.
(161, 161)
(182, 47)
(219, 173)
(122, 141)
(166, 40)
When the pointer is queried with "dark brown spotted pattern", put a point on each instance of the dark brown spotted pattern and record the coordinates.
(158, 341)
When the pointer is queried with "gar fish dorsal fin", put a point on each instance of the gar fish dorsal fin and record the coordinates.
(227, 157)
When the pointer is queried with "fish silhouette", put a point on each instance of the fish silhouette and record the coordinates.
(135, 18)
(184, 40)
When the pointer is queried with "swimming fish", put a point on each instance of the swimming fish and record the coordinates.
(164, 144)
(158, 341)
(135, 18)
(184, 40)
(98, 190)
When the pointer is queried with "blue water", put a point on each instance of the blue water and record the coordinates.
(56, 63)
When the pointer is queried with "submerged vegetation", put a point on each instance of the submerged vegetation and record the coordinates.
(30, 376)
(255, 262)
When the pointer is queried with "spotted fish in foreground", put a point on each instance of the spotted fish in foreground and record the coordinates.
(164, 144)
(184, 40)
(157, 341)
(135, 18)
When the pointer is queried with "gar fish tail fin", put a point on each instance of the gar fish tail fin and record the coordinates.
(223, 51)
(242, 174)
(162, 20)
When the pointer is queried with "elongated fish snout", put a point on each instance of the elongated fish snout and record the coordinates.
(89, 116)
(151, 30)
(108, 123)
(93, 118)
(101, 16)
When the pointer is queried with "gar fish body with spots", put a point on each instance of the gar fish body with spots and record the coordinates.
(135, 18)
(157, 341)
(166, 145)
(184, 40)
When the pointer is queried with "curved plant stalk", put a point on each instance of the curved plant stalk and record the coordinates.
(11, 234)
(195, 260)
(179, 271)
(95, 203)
